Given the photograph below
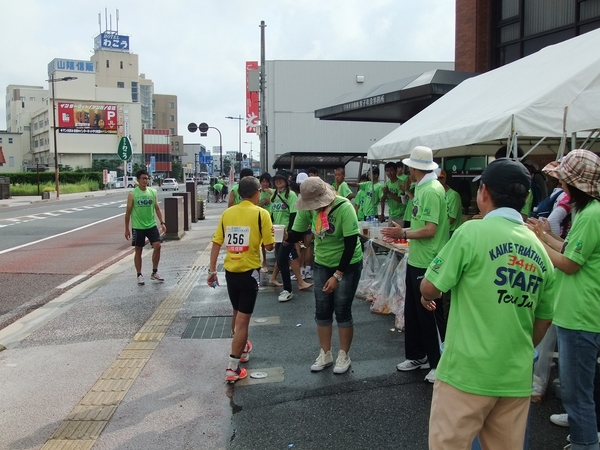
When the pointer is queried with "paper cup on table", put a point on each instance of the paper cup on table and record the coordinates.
(278, 231)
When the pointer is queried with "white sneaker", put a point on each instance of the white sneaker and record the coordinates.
(342, 363)
(323, 360)
(293, 278)
(412, 364)
(562, 420)
(308, 273)
(140, 280)
(285, 296)
(430, 377)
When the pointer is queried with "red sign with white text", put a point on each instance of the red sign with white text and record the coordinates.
(87, 118)
(252, 118)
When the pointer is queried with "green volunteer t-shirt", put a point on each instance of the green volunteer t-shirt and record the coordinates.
(526, 211)
(578, 296)
(454, 203)
(395, 208)
(343, 190)
(263, 195)
(142, 213)
(501, 279)
(236, 197)
(373, 193)
(282, 207)
(409, 205)
(359, 200)
(429, 205)
(218, 187)
(342, 223)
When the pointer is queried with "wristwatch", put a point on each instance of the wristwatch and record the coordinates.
(403, 235)
(337, 277)
(162, 223)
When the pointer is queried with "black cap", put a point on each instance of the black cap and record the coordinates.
(502, 172)
(282, 174)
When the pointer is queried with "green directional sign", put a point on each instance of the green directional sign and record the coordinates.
(124, 151)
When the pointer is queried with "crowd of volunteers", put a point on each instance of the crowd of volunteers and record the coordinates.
(528, 259)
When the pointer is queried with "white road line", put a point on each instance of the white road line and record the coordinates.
(57, 235)
(91, 270)
(35, 217)
(50, 214)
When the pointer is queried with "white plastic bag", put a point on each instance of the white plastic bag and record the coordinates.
(398, 301)
(386, 285)
(541, 369)
(371, 267)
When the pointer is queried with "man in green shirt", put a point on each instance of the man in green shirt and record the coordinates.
(502, 281)
(234, 196)
(142, 203)
(340, 185)
(428, 233)
(393, 191)
(454, 203)
(218, 188)
(373, 191)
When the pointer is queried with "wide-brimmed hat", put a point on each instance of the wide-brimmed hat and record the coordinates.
(421, 158)
(314, 194)
(281, 174)
(579, 168)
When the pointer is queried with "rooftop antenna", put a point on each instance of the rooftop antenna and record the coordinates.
(106, 18)
(117, 21)
(100, 22)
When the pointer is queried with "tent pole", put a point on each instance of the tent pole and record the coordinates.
(534, 147)
(573, 141)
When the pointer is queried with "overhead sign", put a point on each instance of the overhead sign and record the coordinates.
(111, 41)
(124, 150)
(152, 164)
(87, 118)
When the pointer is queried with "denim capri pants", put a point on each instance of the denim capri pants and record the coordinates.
(340, 300)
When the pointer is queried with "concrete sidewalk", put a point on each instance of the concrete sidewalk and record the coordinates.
(106, 366)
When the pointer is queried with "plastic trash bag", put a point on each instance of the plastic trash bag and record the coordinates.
(398, 300)
(371, 267)
(541, 369)
(386, 285)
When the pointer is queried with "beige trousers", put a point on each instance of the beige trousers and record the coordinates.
(457, 417)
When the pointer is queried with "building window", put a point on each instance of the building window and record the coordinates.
(32, 99)
(10, 140)
(11, 161)
(107, 64)
(121, 84)
(135, 92)
(0, 140)
(121, 64)
(36, 144)
(35, 126)
(171, 105)
(172, 131)
(172, 118)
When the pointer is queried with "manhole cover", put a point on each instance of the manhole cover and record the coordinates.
(261, 320)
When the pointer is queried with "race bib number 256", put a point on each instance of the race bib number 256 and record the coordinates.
(237, 239)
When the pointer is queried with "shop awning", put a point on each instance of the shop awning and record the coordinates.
(395, 101)
(304, 160)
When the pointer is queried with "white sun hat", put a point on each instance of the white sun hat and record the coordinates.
(421, 158)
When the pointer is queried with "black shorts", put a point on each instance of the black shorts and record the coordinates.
(138, 236)
(243, 289)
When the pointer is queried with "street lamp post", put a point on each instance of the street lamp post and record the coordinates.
(53, 80)
(250, 157)
(239, 119)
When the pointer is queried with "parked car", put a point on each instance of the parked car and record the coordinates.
(203, 178)
(170, 184)
(190, 180)
(119, 183)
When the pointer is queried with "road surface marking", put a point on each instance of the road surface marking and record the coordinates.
(58, 235)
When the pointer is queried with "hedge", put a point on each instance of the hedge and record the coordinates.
(46, 177)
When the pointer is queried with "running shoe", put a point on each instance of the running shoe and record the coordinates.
(140, 280)
(285, 296)
(562, 420)
(323, 360)
(247, 349)
(156, 277)
(430, 377)
(342, 363)
(412, 364)
(308, 273)
(232, 375)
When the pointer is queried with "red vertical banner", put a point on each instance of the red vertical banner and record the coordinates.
(252, 119)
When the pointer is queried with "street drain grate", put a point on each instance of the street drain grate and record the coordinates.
(208, 327)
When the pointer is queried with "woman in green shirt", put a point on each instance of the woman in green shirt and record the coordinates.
(577, 312)
(265, 202)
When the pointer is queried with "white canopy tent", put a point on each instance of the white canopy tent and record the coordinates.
(551, 94)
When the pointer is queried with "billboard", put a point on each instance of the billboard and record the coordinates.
(89, 118)
(111, 41)
(252, 118)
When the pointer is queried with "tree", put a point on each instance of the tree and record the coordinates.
(177, 169)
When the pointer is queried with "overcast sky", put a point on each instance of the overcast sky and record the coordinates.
(197, 49)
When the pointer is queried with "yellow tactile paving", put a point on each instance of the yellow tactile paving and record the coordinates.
(83, 425)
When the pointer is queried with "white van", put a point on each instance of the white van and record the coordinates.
(130, 182)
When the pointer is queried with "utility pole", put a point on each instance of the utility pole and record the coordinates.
(264, 136)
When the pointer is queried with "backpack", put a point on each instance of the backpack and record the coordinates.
(545, 206)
